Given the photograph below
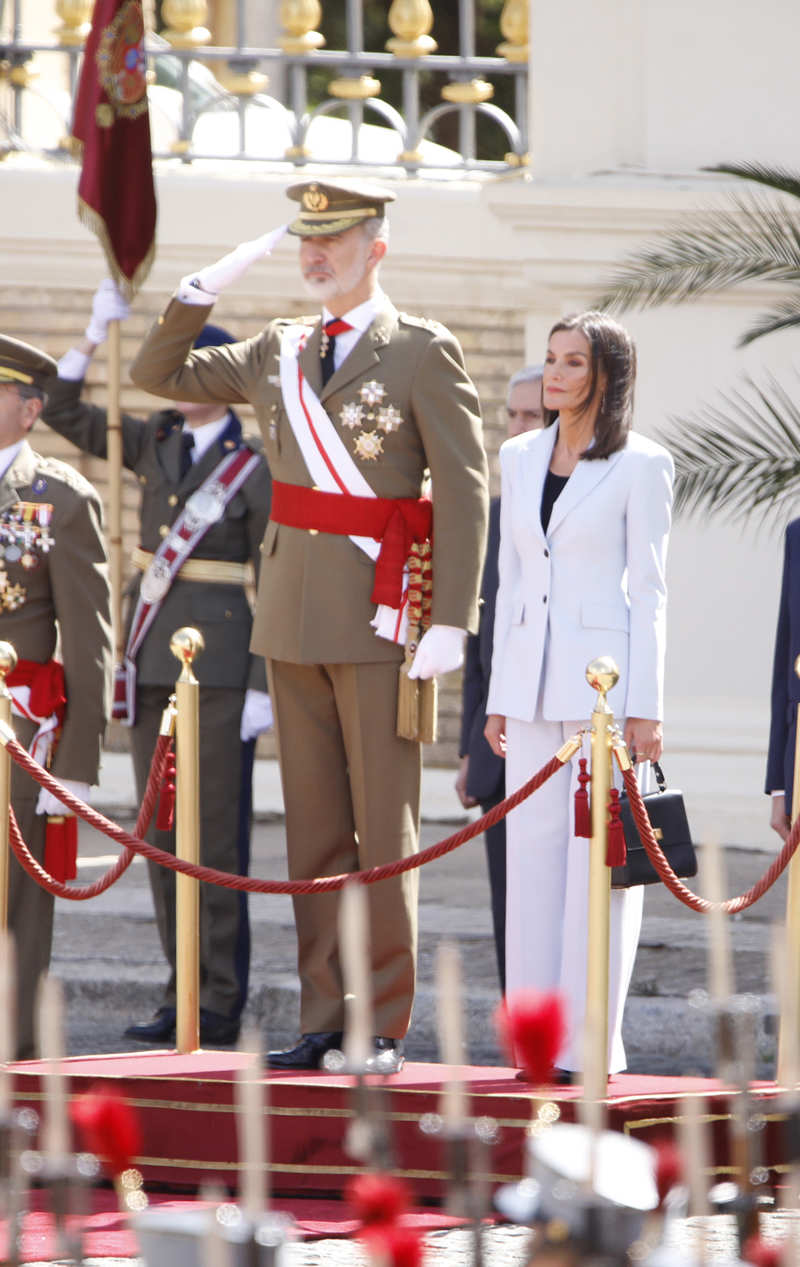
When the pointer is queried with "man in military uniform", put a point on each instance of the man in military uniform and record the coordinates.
(205, 491)
(53, 586)
(354, 407)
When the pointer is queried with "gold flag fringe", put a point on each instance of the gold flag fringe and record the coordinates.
(97, 225)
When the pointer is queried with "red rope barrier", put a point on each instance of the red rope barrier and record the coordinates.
(246, 884)
(81, 892)
(733, 904)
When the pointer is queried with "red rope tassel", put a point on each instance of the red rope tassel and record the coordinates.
(616, 853)
(166, 801)
(583, 822)
(61, 847)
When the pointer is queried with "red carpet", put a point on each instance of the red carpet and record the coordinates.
(187, 1104)
(108, 1234)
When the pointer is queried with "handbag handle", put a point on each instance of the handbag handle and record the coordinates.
(661, 781)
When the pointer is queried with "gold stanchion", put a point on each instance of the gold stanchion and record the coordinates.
(787, 1044)
(114, 452)
(8, 662)
(601, 675)
(185, 645)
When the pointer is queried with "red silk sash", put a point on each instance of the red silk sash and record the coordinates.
(397, 522)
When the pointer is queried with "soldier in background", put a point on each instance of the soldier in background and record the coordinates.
(196, 468)
(481, 776)
(54, 589)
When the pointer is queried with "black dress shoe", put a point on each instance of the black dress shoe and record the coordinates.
(560, 1078)
(387, 1055)
(217, 1030)
(309, 1053)
(161, 1027)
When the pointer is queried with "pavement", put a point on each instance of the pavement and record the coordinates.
(107, 953)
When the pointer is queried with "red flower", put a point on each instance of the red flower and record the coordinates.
(377, 1198)
(531, 1026)
(760, 1254)
(108, 1125)
(394, 1245)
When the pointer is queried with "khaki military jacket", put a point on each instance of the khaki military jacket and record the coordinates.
(314, 594)
(61, 595)
(222, 612)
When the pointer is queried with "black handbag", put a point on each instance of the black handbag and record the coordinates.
(667, 813)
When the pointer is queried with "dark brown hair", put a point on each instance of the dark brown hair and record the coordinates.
(613, 354)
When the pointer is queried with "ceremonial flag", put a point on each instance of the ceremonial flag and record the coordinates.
(116, 196)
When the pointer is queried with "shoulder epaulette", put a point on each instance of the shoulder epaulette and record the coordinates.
(422, 323)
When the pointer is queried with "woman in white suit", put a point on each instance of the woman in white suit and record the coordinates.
(584, 522)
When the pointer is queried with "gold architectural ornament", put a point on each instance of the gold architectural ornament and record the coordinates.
(75, 22)
(514, 26)
(299, 18)
(411, 21)
(517, 160)
(22, 76)
(470, 93)
(185, 20)
(355, 89)
(242, 83)
(297, 151)
(180, 147)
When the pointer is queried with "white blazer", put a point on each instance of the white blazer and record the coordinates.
(594, 585)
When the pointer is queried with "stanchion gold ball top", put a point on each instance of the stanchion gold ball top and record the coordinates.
(186, 643)
(8, 659)
(602, 673)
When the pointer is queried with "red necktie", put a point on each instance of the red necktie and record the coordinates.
(327, 344)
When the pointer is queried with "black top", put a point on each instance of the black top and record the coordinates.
(553, 486)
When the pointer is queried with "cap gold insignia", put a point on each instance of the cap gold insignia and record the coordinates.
(315, 200)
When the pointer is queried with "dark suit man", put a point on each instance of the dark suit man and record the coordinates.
(785, 689)
(352, 414)
(481, 775)
(53, 587)
(208, 592)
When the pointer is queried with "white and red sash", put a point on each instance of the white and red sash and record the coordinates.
(205, 507)
(329, 463)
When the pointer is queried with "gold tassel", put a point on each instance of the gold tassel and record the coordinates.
(428, 711)
(407, 701)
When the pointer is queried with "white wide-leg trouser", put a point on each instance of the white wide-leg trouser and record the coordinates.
(547, 903)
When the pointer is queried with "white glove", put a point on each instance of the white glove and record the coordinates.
(108, 305)
(256, 715)
(206, 285)
(440, 650)
(49, 804)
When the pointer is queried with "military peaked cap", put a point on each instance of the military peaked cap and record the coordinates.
(25, 365)
(330, 207)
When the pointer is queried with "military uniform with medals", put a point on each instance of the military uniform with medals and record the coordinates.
(209, 593)
(401, 403)
(54, 596)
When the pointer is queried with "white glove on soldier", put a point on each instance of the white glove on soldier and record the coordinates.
(256, 715)
(108, 305)
(440, 650)
(206, 285)
(49, 804)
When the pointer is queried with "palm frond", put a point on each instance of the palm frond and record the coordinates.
(782, 317)
(756, 239)
(739, 459)
(779, 179)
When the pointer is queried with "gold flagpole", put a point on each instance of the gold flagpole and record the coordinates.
(114, 454)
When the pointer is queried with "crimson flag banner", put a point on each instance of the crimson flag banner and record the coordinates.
(116, 195)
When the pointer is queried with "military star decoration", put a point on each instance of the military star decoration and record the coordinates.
(357, 415)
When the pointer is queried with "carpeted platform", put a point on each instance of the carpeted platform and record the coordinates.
(187, 1110)
(108, 1234)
